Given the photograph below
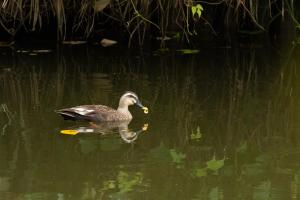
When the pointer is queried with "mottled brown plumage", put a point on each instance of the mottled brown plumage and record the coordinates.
(101, 113)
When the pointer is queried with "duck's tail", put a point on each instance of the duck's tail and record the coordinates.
(67, 114)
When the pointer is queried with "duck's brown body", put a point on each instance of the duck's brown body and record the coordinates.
(101, 113)
(96, 113)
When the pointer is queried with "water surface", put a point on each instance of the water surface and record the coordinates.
(223, 124)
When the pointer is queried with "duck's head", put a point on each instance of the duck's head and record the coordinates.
(130, 98)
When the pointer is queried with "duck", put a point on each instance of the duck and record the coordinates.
(102, 113)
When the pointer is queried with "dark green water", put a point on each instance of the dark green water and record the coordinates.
(222, 124)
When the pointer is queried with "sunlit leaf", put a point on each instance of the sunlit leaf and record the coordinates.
(197, 9)
(194, 10)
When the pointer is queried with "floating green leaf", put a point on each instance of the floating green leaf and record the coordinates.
(214, 164)
(161, 51)
(188, 51)
(201, 172)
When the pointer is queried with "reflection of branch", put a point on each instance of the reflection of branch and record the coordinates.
(8, 114)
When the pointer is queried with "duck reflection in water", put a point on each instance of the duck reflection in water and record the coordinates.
(104, 119)
(106, 128)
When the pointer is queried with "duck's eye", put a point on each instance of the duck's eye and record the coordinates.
(133, 101)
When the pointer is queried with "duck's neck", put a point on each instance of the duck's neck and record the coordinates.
(124, 110)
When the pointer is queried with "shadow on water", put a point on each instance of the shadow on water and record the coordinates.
(222, 116)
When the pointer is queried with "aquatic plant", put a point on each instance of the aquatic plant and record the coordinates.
(139, 18)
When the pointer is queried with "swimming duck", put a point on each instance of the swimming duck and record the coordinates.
(101, 113)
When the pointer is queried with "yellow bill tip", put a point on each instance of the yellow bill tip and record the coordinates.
(146, 110)
(69, 132)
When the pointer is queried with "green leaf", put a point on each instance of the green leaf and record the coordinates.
(188, 51)
(199, 12)
(201, 172)
(214, 164)
(197, 9)
(194, 10)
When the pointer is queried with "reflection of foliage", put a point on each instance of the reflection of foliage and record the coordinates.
(108, 185)
(126, 182)
(212, 165)
(200, 172)
(215, 194)
(242, 148)
(197, 135)
(163, 154)
(160, 153)
(257, 167)
(262, 191)
(177, 157)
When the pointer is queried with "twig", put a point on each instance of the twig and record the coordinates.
(8, 114)
(141, 16)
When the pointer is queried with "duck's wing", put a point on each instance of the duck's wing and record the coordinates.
(87, 112)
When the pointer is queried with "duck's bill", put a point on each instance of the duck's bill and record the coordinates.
(139, 104)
